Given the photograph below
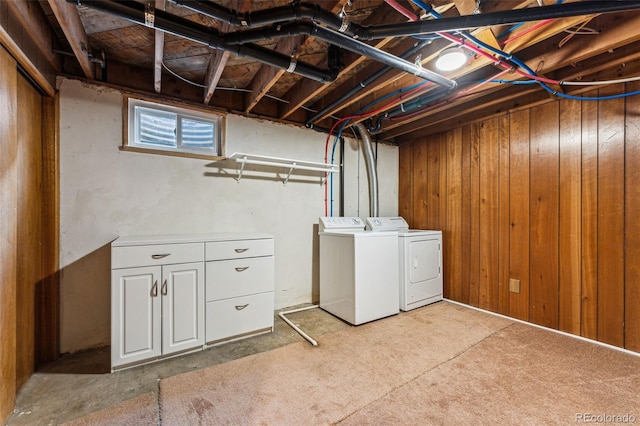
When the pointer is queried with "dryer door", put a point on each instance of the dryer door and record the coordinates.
(424, 260)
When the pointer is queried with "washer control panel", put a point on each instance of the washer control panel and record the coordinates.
(396, 223)
(329, 223)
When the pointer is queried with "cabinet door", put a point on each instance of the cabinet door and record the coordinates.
(182, 307)
(135, 315)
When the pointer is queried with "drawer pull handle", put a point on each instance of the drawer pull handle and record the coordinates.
(154, 289)
(241, 307)
(241, 269)
(241, 250)
(164, 288)
(160, 256)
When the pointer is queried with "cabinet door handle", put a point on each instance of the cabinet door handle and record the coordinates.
(241, 250)
(154, 289)
(160, 256)
(164, 288)
(241, 307)
(242, 268)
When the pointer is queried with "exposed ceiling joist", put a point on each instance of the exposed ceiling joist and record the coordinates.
(69, 20)
(306, 90)
(498, 95)
(267, 77)
(314, 85)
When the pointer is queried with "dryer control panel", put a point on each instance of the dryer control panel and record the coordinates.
(329, 224)
(396, 223)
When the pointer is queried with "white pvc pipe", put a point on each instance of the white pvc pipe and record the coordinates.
(295, 327)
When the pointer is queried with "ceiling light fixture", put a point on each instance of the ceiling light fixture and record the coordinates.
(451, 59)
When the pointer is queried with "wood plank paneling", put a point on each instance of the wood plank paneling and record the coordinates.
(465, 229)
(453, 249)
(419, 185)
(405, 185)
(474, 280)
(611, 218)
(543, 204)
(549, 196)
(489, 161)
(433, 183)
(589, 263)
(442, 210)
(519, 212)
(29, 255)
(48, 292)
(8, 230)
(570, 216)
(632, 222)
(503, 216)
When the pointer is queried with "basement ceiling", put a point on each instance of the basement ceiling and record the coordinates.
(316, 62)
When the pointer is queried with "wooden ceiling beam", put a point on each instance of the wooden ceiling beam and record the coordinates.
(69, 20)
(267, 76)
(613, 65)
(218, 60)
(305, 90)
(549, 58)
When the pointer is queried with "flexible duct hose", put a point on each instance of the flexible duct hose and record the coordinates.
(372, 171)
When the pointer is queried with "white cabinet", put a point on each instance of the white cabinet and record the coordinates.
(159, 305)
(157, 294)
(239, 287)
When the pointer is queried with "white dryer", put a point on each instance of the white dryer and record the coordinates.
(420, 261)
(358, 270)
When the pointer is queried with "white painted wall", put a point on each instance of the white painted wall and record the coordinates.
(105, 193)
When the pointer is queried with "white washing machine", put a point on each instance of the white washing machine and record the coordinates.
(420, 260)
(358, 270)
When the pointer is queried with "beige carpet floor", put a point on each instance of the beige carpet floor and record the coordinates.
(439, 365)
(142, 410)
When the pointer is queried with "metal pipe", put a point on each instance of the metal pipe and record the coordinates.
(364, 83)
(372, 171)
(340, 40)
(166, 22)
(270, 16)
(467, 22)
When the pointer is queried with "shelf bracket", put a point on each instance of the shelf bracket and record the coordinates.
(241, 169)
(293, 167)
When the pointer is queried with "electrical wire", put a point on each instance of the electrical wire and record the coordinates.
(175, 74)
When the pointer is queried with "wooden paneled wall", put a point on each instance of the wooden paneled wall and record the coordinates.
(549, 196)
(8, 231)
(28, 250)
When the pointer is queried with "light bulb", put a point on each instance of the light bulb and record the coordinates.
(451, 59)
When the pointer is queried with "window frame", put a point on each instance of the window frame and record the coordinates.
(181, 111)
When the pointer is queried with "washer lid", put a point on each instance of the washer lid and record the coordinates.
(396, 223)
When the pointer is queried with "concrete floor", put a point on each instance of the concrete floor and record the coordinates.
(81, 383)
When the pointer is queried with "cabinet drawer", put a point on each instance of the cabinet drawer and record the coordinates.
(221, 250)
(156, 254)
(239, 277)
(241, 315)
